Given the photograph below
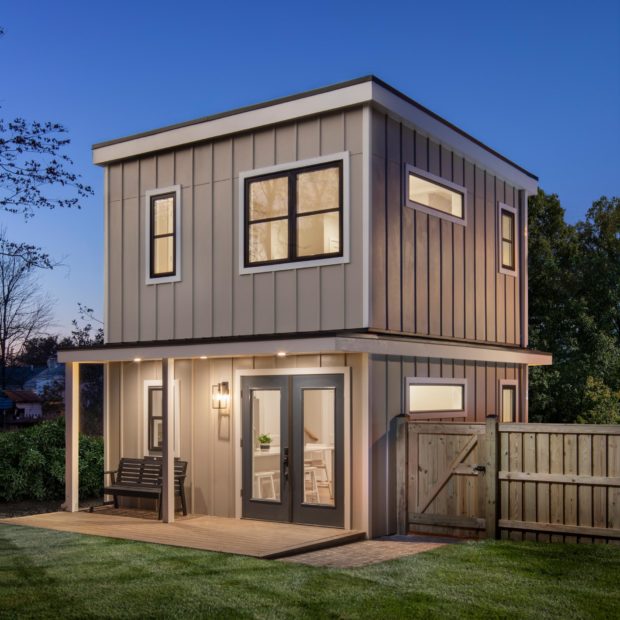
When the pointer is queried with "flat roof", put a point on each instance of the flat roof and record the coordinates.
(149, 141)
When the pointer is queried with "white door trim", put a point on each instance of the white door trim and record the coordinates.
(236, 408)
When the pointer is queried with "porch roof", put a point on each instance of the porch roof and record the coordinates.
(372, 343)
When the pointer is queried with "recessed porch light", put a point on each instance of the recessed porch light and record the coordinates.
(137, 359)
(281, 353)
(203, 357)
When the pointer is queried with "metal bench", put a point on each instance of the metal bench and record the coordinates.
(143, 478)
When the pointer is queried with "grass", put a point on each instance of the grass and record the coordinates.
(46, 574)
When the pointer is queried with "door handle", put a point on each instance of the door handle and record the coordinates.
(285, 463)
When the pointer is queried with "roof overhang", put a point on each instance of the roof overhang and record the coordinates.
(363, 91)
(372, 344)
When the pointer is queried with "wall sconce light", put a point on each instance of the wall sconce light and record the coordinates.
(220, 396)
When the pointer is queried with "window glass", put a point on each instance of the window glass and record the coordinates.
(268, 241)
(318, 234)
(266, 461)
(156, 428)
(508, 244)
(163, 258)
(318, 190)
(444, 397)
(162, 236)
(435, 196)
(163, 216)
(269, 198)
(319, 424)
(305, 222)
(509, 393)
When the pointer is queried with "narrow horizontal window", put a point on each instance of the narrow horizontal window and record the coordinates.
(436, 196)
(294, 215)
(429, 397)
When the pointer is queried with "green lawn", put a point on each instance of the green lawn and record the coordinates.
(52, 574)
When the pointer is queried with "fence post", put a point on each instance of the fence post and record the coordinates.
(491, 479)
(402, 474)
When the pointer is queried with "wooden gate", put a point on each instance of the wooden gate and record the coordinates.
(447, 489)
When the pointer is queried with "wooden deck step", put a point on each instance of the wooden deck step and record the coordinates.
(260, 539)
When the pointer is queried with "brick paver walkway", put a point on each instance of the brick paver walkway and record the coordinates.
(369, 551)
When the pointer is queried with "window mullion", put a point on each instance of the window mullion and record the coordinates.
(292, 213)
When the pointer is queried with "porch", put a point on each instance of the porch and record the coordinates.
(260, 539)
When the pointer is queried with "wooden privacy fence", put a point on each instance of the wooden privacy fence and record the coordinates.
(548, 482)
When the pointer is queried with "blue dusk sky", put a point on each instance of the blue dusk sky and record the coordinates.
(537, 81)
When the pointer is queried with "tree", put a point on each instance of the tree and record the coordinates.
(24, 311)
(36, 351)
(574, 310)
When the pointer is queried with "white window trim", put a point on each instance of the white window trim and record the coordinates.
(501, 206)
(173, 189)
(319, 262)
(426, 415)
(508, 383)
(148, 383)
(409, 169)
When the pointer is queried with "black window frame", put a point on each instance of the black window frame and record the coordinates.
(153, 236)
(506, 213)
(152, 418)
(292, 216)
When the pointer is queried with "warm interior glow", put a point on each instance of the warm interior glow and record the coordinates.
(444, 397)
(435, 196)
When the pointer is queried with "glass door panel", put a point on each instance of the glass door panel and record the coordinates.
(265, 426)
(319, 414)
(266, 464)
(317, 432)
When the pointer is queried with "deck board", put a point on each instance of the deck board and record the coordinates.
(261, 539)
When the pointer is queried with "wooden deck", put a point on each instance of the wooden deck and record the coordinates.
(261, 539)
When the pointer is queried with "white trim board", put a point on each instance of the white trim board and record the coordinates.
(368, 92)
(236, 419)
(337, 344)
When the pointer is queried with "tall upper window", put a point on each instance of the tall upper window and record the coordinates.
(163, 235)
(163, 227)
(507, 233)
(435, 195)
(294, 215)
(508, 401)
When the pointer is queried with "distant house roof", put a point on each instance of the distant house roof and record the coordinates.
(48, 375)
(21, 396)
(16, 376)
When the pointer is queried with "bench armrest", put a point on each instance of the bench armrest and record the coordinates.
(112, 473)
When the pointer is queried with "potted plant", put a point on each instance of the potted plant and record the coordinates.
(264, 441)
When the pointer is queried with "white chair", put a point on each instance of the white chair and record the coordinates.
(268, 477)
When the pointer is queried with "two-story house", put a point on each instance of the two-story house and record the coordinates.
(283, 280)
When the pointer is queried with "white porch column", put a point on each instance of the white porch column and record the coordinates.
(72, 437)
(167, 382)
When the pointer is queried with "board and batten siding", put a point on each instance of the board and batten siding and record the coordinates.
(387, 376)
(212, 299)
(206, 435)
(430, 276)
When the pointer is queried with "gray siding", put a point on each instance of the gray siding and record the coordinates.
(387, 400)
(212, 299)
(429, 276)
(206, 437)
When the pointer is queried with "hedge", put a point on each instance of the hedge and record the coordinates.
(32, 463)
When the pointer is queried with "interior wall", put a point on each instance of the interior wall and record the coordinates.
(206, 435)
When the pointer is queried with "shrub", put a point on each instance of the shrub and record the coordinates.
(32, 463)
